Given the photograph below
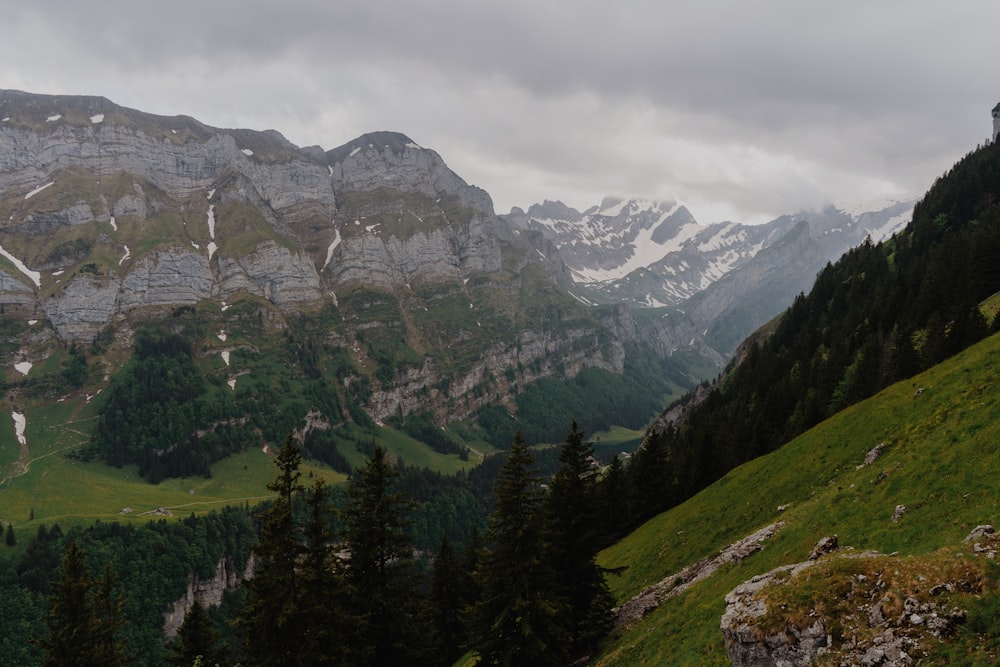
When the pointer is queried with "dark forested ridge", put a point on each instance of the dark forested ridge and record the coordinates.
(880, 314)
(161, 414)
(150, 566)
(337, 578)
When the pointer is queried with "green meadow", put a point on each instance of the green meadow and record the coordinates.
(942, 431)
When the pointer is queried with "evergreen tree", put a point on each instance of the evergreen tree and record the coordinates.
(83, 626)
(614, 498)
(109, 616)
(325, 618)
(380, 569)
(573, 522)
(517, 621)
(269, 618)
(196, 638)
(652, 487)
(10, 539)
(447, 601)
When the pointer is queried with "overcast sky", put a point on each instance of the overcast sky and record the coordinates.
(743, 109)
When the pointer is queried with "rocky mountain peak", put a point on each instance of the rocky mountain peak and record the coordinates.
(555, 210)
(379, 160)
(396, 142)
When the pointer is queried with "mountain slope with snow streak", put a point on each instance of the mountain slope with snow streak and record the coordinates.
(656, 254)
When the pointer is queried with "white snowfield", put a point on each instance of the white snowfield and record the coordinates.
(39, 189)
(23, 367)
(211, 229)
(19, 425)
(35, 276)
(644, 250)
(333, 246)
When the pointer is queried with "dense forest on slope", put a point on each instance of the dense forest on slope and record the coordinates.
(387, 603)
(161, 414)
(880, 314)
(151, 563)
(596, 398)
(175, 408)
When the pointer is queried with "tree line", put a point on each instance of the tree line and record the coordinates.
(882, 313)
(341, 583)
(137, 571)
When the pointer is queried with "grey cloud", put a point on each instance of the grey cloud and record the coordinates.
(553, 99)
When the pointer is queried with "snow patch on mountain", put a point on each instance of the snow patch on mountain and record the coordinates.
(212, 247)
(20, 423)
(34, 276)
(39, 189)
(333, 246)
(656, 254)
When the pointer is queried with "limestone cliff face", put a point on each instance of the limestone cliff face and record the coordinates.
(282, 276)
(111, 172)
(391, 160)
(44, 134)
(110, 216)
(437, 254)
(208, 592)
(571, 351)
(178, 277)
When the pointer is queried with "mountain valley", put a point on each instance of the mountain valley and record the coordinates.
(178, 300)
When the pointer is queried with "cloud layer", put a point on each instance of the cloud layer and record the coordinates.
(743, 110)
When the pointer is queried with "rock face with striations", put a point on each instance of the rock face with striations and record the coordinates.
(110, 217)
(207, 592)
(405, 216)
(70, 162)
(392, 160)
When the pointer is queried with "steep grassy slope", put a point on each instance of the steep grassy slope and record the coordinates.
(941, 461)
(880, 314)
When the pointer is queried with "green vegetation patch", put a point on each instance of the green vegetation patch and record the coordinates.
(941, 430)
(239, 229)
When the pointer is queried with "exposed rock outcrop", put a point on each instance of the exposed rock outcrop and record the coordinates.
(181, 276)
(439, 254)
(572, 351)
(179, 155)
(879, 610)
(208, 592)
(392, 160)
(653, 596)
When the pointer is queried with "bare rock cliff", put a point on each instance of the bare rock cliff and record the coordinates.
(208, 592)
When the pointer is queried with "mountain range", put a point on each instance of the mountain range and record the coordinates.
(113, 216)
(176, 298)
(726, 278)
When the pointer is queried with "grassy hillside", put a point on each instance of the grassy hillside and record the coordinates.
(40, 481)
(52, 488)
(942, 429)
